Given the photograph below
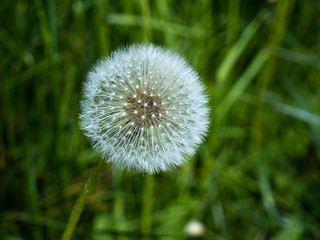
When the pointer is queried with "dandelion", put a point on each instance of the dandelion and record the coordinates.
(144, 109)
(194, 229)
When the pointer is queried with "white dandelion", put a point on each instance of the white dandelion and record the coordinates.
(144, 109)
(194, 229)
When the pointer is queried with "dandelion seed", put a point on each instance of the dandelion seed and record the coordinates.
(148, 140)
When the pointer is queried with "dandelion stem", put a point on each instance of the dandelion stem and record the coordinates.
(146, 217)
(78, 207)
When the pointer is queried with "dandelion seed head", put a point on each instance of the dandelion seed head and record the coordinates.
(194, 229)
(125, 105)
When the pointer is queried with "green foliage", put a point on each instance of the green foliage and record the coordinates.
(255, 177)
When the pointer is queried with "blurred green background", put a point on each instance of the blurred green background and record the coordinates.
(255, 177)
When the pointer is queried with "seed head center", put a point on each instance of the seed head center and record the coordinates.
(144, 109)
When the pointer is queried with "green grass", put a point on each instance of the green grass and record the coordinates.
(255, 177)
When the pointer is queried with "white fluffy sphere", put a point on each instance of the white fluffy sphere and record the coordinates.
(144, 109)
(194, 229)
